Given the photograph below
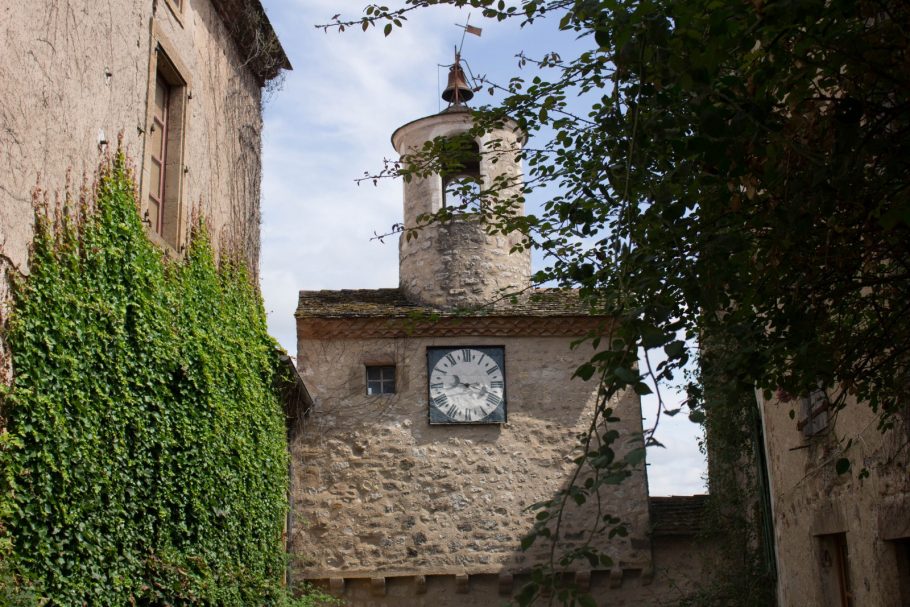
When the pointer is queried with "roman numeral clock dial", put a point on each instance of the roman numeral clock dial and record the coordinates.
(466, 385)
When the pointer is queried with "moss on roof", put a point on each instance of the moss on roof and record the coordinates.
(385, 303)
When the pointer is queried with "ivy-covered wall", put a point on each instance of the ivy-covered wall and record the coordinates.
(145, 454)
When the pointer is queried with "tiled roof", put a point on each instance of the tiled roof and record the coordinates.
(678, 514)
(386, 303)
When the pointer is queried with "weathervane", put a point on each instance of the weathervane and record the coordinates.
(468, 29)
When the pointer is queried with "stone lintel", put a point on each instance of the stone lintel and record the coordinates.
(377, 586)
(828, 518)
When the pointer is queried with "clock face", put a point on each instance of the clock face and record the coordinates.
(466, 385)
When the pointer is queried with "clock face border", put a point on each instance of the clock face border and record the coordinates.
(496, 417)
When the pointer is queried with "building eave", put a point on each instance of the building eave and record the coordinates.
(392, 303)
(252, 31)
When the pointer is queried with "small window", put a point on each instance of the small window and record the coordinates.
(813, 413)
(381, 380)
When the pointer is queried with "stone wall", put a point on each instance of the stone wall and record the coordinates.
(378, 492)
(76, 73)
(812, 505)
(457, 264)
(630, 588)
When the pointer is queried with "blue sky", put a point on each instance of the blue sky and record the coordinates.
(332, 121)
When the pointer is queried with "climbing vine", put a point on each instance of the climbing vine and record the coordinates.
(737, 525)
(145, 458)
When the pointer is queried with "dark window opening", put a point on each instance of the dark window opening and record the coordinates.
(835, 570)
(381, 380)
(902, 550)
(461, 174)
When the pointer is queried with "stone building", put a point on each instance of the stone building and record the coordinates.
(840, 539)
(442, 411)
(179, 80)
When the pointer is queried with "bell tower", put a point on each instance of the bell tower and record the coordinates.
(456, 263)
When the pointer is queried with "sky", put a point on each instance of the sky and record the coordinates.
(331, 122)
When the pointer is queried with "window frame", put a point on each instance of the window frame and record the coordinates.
(168, 228)
(383, 380)
(834, 569)
(177, 9)
(814, 413)
(158, 154)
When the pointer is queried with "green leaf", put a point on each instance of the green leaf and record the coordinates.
(112, 446)
(585, 371)
(626, 375)
(635, 456)
(642, 389)
(675, 349)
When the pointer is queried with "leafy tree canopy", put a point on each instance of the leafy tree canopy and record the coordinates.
(738, 169)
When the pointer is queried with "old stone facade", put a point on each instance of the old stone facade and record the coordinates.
(179, 82)
(390, 507)
(77, 75)
(841, 539)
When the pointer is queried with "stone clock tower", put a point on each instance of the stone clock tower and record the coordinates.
(456, 263)
(442, 411)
